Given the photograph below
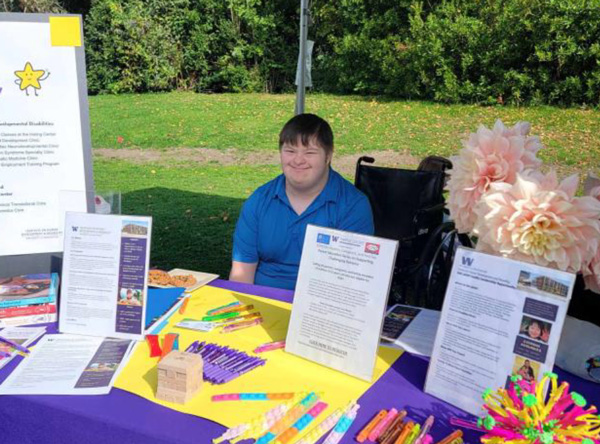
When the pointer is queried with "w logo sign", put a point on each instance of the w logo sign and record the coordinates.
(468, 261)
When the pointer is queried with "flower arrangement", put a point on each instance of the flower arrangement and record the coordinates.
(498, 193)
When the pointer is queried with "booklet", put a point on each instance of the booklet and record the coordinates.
(105, 275)
(340, 299)
(67, 364)
(21, 335)
(500, 317)
(410, 328)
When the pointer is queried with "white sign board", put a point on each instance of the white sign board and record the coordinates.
(500, 317)
(340, 299)
(45, 162)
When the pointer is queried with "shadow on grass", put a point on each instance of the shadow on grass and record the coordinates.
(190, 230)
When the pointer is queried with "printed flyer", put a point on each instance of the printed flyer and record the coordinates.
(340, 299)
(501, 317)
(105, 273)
(45, 154)
(68, 365)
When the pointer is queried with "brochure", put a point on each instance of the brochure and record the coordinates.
(105, 272)
(340, 299)
(500, 317)
(68, 365)
(410, 328)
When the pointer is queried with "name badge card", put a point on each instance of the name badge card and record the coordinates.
(105, 275)
(500, 317)
(45, 148)
(340, 300)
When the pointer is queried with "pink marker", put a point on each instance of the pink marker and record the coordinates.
(385, 422)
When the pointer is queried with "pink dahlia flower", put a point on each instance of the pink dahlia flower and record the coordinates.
(488, 156)
(537, 219)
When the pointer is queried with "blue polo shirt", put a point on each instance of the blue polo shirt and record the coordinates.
(270, 233)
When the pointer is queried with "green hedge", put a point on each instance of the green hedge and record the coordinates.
(494, 51)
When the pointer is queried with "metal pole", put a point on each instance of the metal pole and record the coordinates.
(302, 57)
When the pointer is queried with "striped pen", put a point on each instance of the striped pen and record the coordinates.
(302, 423)
(323, 427)
(342, 426)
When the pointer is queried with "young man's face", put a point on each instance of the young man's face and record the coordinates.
(305, 166)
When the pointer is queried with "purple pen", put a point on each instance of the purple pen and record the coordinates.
(14, 345)
(239, 369)
(191, 347)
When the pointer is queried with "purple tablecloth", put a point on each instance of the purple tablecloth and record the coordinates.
(122, 417)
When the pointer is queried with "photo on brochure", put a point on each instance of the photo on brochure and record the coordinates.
(135, 228)
(528, 369)
(539, 283)
(130, 296)
(535, 329)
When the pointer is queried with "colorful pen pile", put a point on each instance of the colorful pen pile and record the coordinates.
(520, 415)
(323, 427)
(390, 427)
(232, 317)
(259, 424)
(223, 364)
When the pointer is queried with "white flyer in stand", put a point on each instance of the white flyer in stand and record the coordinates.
(105, 275)
(500, 317)
(340, 299)
(68, 365)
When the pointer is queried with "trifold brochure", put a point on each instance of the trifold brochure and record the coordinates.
(410, 328)
(68, 365)
(105, 273)
(500, 317)
(340, 299)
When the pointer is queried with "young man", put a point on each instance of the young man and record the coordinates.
(267, 243)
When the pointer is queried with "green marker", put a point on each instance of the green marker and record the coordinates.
(221, 316)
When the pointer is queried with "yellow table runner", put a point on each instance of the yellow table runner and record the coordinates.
(282, 372)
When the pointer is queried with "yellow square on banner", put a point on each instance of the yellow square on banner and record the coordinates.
(65, 31)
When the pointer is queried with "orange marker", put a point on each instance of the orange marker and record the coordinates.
(364, 433)
(183, 306)
(451, 437)
(405, 432)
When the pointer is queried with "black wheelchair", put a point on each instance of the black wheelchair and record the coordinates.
(409, 206)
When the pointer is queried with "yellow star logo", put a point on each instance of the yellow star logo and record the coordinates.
(29, 77)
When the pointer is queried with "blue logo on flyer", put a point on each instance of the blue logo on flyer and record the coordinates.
(323, 238)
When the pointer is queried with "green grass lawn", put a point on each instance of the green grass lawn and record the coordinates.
(195, 202)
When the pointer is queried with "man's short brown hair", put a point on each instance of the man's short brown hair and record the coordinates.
(306, 128)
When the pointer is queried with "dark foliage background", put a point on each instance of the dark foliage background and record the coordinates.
(469, 51)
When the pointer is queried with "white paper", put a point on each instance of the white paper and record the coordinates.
(410, 328)
(340, 299)
(500, 317)
(68, 365)
(41, 143)
(21, 335)
(105, 274)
